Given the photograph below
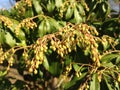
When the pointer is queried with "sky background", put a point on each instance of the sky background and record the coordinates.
(6, 3)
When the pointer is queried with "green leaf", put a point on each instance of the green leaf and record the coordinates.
(76, 67)
(22, 43)
(50, 6)
(62, 23)
(54, 25)
(77, 18)
(69, 13)
(2, 73)
(117, 85)
(41, 31)
(2, 37)
(55, 68)
(105, 45)
(94, 84)
(37, 6)
(9, 39)
(118, 60)
(47, 26)
(74, 81)
(104, 8)
(41, 73)
(21, 35)
(107, 80)
(110, 64)
(58, 3)
(109, 57)
(80, 9)
(45, 63)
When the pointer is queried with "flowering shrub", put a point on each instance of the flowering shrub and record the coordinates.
(61, 44)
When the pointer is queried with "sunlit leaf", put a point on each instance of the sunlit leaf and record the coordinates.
(76, 67)
(50, 5)
(77, 18)
(41, 31)
(58, 3)
(118, 60)
(69, 13)
(3, 73)
(37, 6)
(80, 9)
(9, 39)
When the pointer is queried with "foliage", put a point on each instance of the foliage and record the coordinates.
(62, 44)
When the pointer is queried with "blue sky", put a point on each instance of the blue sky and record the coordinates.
(6, 3)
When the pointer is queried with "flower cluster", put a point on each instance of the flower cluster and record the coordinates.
(7, 22)
(28, 23)
(65, 41)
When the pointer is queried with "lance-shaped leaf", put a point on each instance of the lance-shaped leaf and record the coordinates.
(94, 83)
(109, 57)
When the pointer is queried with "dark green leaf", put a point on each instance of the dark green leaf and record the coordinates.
(107, 80)
(74, 81)
(2, 37)
(55, 68)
